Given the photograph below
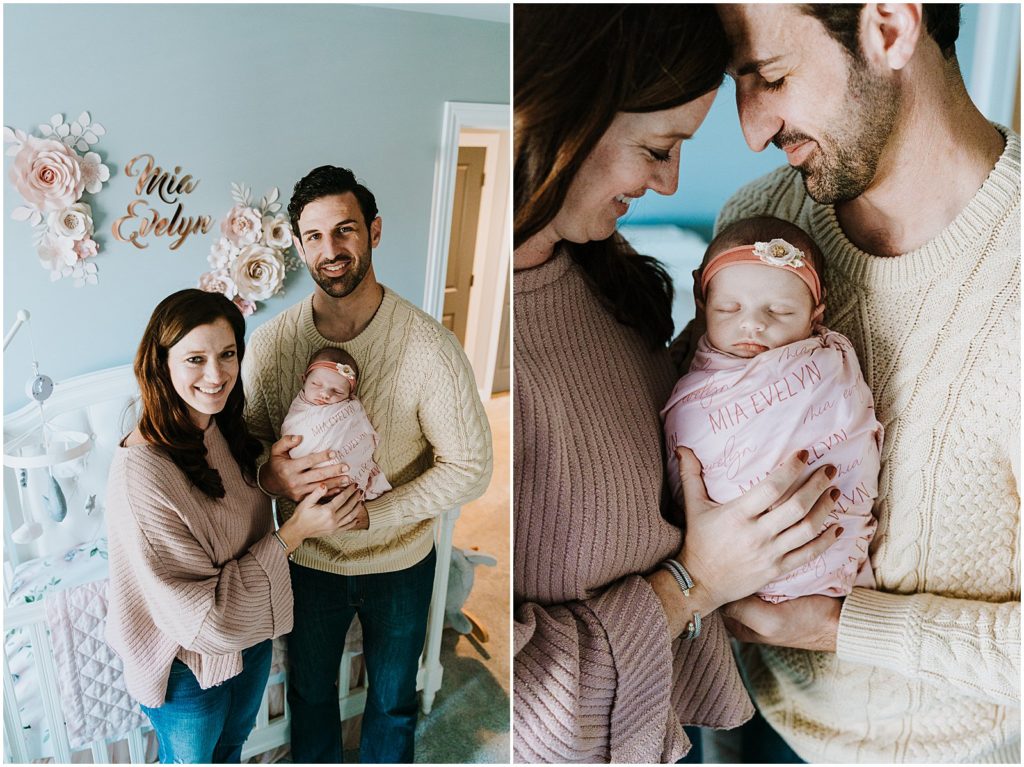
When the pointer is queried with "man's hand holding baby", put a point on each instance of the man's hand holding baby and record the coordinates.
(806, 623)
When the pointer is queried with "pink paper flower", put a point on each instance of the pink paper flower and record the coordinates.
(242, 226)
(94, 172)
(47, 174)
(86, 248)
(245, 307)
(217, 282)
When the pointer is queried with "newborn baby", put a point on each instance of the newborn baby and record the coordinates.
(768, 380)
(328, 416)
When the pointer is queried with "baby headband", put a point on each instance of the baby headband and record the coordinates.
(342, 369)
(778, 253)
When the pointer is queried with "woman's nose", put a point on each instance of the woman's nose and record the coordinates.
(665, 178)
(758, 116)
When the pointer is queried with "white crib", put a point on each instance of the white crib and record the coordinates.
(103, 406)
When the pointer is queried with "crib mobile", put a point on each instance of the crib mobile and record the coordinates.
(52, 448)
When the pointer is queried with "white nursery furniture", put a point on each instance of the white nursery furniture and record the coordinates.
(103, 406)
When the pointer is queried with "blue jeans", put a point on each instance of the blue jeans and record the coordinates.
(209, 726)
(392, 608)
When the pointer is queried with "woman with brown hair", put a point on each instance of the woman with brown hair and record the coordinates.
(618, 642)
(198, 576)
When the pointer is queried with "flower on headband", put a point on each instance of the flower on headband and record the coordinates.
(778, 252)
(346, 371)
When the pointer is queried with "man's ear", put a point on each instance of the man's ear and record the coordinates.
(889, 33)
(375, 232)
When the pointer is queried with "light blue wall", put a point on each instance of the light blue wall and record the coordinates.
(258, 94)
(718, 161)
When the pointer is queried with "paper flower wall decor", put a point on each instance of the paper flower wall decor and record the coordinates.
(51, 174)
(251, 259)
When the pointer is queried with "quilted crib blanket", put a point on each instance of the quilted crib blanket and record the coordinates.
(742, 417)
(95, 702)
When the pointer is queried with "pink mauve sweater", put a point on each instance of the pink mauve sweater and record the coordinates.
(191, 577)
(596, 677)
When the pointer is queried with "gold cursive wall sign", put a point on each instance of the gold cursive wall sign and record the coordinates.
(142, 220)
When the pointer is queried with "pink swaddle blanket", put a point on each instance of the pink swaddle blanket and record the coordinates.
(345, 428)
(742, 417)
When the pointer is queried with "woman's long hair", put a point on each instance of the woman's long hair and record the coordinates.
(166, 421)
(576, 66)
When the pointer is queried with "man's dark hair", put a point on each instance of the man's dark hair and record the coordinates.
(325, 181)
(842, 22)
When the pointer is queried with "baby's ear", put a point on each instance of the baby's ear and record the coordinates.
(819, 311)
(699, 303)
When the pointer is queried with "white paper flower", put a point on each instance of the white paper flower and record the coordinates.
(258, 272)
(217, 282)
(778, 252)
(277, 231)
(94, 172)
(221, 254)
(242, 226)
(74, 221)
(84, 273)
(56, 253)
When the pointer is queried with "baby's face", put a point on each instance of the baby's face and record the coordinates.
(323, 387)
(752, 308)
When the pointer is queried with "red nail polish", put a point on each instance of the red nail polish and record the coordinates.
(839, 531)
(802, 455)
(834, 494)
(830, 472)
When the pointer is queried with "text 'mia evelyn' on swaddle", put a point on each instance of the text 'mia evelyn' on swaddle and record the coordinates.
(743, 417)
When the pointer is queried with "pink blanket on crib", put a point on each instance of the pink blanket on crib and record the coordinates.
(742, 417)
(90, 677)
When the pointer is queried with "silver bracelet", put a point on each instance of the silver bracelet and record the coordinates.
(281, 541)
(685, 582)
(263, 489)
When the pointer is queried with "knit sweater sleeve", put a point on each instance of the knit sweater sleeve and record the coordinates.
(589, 675)
(967, 647)
(452, 419)
(204, 606)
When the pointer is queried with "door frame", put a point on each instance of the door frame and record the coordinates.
(458, 115)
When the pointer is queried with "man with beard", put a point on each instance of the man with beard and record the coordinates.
(420, 395)
(914, 198)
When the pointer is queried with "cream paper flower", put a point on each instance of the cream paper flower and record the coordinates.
(94, 172)
(778, 252)
(277, 231)
(258, 272)
(74, 221)
(222, 253)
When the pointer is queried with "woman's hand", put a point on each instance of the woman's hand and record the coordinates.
(296, 478)
(733, 549)
(806, 623)
(313, 519)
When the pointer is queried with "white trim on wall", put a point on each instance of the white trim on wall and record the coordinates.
(459, 116)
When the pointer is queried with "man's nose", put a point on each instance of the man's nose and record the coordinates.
(758, 118)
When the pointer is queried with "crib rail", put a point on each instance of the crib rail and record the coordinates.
(269, 732)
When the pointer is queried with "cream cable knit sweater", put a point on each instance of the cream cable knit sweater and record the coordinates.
(190, 576)
(928, 666)
(596, 677)
(420, 395)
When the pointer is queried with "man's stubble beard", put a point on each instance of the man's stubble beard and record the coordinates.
(339, 287)
(847, 158)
